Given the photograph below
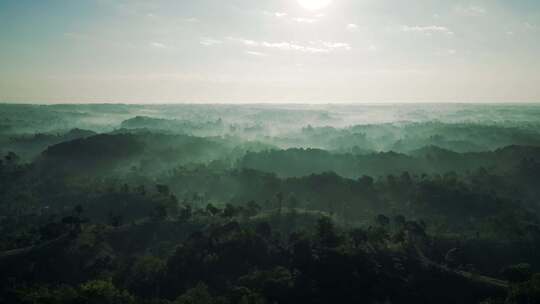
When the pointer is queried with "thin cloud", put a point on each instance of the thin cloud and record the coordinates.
(191, 20)
(471, 11)
(275, 14)
(530, 26)
(305, 20)
(337, 45)
(249, 42)
(313, 47)
(430, 29)
(257, 54)
(158, 45)
(206, 41)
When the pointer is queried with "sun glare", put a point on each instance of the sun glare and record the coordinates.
(314, 4)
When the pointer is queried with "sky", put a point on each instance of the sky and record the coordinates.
(280, 51)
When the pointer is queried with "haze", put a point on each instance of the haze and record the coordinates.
(269, 151)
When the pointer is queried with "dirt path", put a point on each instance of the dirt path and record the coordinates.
(26, 250)
(493, 282)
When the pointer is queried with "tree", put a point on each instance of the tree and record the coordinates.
(103, 292)
(172, 205)
(358, 236)
(163, 189)
(366, 181)
(264, 229)
(145, 276)
(141, 190)
(382, 220)
(197, 295)
(73, 223)
(526, 292)
(125, 188)
(399, 221)
(160, 211)
(276, 284)
(212, 210)
(115, 220)
(517, 273)
(63, 294)
(229, 211)
(11, 159)
(279, 198)
(252, 208)
(326, 232)
(185, 213)
(293, 202)
(78, 210)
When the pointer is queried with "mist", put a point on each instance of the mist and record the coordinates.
(125, 194)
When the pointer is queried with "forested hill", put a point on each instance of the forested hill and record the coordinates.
(253, 204)
(123, 148)
(427, 160)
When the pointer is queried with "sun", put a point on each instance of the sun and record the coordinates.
(314, 4)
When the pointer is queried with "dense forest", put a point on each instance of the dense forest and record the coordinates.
(254, 204)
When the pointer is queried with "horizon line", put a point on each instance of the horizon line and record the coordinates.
(329, 103)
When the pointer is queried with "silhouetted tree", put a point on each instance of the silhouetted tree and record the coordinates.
(163, 190)
(326, 232)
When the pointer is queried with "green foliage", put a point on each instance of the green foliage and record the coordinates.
(198, 295)
(277, 283)
(45, 295)
(145, 275)
(103, 292)
(222, 204)
(527, 292)
(326, 232)
(517, 273)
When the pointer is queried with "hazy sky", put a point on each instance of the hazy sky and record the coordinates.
(269, 51)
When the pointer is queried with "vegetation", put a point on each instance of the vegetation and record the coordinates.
(224, 204)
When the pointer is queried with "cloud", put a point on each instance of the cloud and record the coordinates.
(275, 14)
(311, 47)
(305, 20)
(289, 46)
(249, 42)
(337, 45)
(530, 26)
(285, 16)
(72, 35)
(430, 29)
(445, 52)
(524, 27)
(471, 11)
(352, 27)
(191, 20)
(158, 45)
(206, 41)
(257, 54)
